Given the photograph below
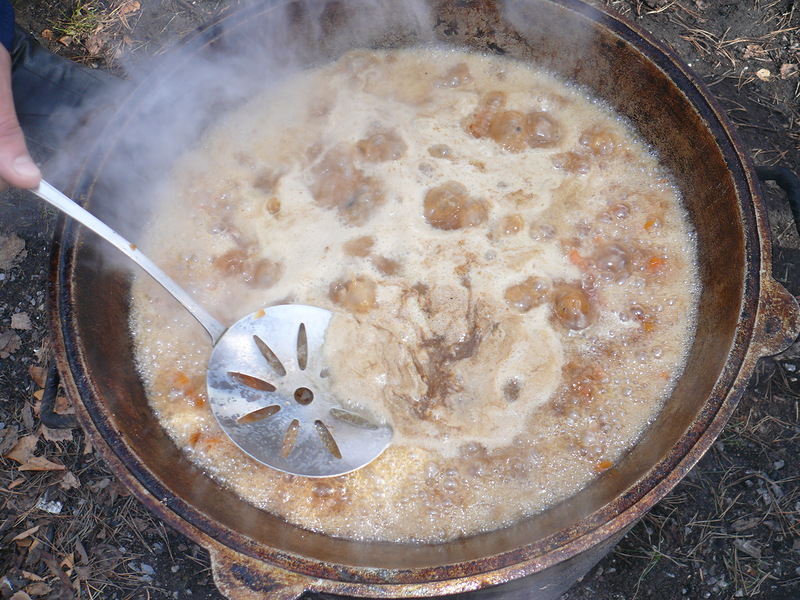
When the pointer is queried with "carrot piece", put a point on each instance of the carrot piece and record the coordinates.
(180, 380)
(576, 259)
(656, 264)
(603, 465)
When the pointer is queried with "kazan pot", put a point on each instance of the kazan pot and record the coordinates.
(743, 315)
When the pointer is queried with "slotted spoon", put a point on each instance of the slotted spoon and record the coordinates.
(266, 382)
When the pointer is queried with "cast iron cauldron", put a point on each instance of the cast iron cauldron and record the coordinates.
(744, 314)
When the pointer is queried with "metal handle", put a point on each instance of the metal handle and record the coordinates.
(790, 184)
(779, 313)
(47, 414)
(241, 577)
(50, 194)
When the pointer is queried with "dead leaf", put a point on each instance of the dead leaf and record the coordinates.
(25, 534)
(10, 342)
(748, 547)
(40, 463)
(20, 596)
(62, 406)
(753, 50)
(81, 552)
(67, 563)
(27, 416)
(69, 481)
(98, 44)
(66, 40)
(21, 321)
(83, 572)
(118, 490)
(12, 251)
(789, 70)
(55, 435)
(52, 565)
(763, 74)
(8, 439)
(38, 374)
(100, 484)
(742, 525)
(87, 446)
(23, 453)
(38, 588)
(129, 8)
(24, 446)
(48, 35)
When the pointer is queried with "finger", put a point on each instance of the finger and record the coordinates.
(16, 165)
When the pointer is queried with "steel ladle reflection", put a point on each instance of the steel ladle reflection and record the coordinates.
(266, 380)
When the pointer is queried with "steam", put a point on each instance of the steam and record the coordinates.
(133, 131)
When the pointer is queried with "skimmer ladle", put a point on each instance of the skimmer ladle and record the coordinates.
(266, 382)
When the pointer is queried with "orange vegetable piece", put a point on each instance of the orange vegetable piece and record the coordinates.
(603, 465)
(656, 264)
(211, 441)
(189, 388)
(180, 380)
(576, 259)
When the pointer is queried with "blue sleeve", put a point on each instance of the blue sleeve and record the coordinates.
(6, 24)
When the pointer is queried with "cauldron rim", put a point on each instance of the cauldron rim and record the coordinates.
(607, 522)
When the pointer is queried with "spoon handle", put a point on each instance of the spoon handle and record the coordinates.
(50, 194)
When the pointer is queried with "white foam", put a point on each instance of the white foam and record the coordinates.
(534, 409)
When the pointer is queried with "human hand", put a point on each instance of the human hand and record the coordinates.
(16, 165)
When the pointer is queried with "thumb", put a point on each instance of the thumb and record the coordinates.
(16, 165)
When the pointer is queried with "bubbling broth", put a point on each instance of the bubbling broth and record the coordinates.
(512, 273)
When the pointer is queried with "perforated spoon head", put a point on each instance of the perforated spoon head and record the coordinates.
(266, 381)
(268, 388)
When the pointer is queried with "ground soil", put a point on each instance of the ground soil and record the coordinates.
(68, 528)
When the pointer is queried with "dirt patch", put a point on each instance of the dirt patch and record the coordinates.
(729, 530)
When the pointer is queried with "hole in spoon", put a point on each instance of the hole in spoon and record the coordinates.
(269, 356)
(252, 382)
(302, 347)
(352, 419)
(258, 415)
(327, 439)
(290, 438)
(303, 396)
